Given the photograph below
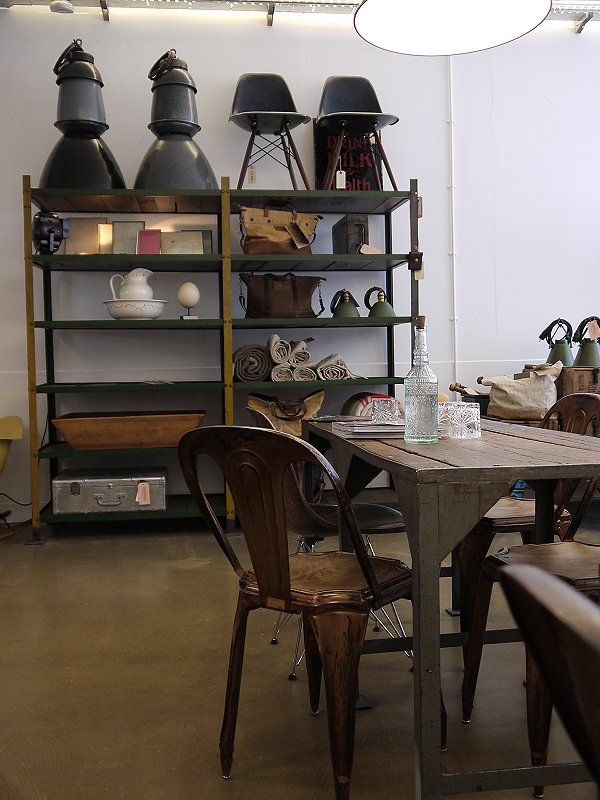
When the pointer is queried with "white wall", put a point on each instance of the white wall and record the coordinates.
(525, 130)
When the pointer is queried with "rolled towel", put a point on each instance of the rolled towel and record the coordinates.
(251, 363)
(279, 349)
(304, 373)
(333, 368)
(282, 373)
(299, 355)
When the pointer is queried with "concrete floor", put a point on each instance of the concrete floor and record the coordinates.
(112, 676)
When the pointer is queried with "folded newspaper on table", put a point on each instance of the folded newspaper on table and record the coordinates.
(366, 429)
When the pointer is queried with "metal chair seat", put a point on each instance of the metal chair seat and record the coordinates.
(336, 578)
(372, 518)
(270, 123)
(357, 123)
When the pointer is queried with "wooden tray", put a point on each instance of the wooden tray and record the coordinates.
(117, 430)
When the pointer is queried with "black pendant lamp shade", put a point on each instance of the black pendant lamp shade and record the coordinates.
(80, 159)
(174, 161)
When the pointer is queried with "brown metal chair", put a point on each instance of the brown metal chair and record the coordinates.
(575, 564)
(373, 519)
(575, 413)
(562, 630)
(334, 592)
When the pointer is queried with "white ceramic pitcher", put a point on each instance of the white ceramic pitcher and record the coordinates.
(134, 285)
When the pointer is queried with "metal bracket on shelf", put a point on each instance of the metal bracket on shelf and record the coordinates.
(104, 7)
(415, 262)
(583, 21)
(270, 14)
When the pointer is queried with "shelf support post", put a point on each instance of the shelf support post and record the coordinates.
(34, 474)
(227, 343)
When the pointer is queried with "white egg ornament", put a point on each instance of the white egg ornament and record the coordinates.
(189, 296)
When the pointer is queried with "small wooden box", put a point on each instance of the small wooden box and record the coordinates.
(578, 379)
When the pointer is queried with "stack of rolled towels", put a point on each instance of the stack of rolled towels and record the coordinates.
(283, 361)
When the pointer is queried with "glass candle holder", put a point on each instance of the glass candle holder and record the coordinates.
(460, 420)
(386, 409)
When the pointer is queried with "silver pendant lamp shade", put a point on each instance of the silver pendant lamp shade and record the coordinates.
(446, 27)
(174, 160)
(80, 159)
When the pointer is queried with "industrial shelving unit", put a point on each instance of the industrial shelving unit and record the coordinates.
(222, 204)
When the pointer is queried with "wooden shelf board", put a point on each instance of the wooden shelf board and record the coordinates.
(125, 201)
(178, 507)
(124, 386)
(63, 450)
(131, 324)
(316, 262)
(322, 202)
(321, 322)
(383, 381)
(107, 262)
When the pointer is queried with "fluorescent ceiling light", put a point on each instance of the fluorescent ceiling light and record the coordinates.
(446, 27)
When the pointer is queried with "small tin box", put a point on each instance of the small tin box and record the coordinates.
(109, 490)
(350, 233)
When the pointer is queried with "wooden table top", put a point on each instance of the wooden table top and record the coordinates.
(504, 451)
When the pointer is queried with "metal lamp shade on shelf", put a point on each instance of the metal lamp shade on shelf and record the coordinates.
(174, 160)
(80, 159)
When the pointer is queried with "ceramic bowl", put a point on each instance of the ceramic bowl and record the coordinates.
(135, 309)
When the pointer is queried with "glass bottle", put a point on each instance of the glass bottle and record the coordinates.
(421, 393)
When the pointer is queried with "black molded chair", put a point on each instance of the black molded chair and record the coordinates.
(349, 107)
(263, 105)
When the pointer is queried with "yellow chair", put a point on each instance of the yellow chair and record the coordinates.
(11, 428)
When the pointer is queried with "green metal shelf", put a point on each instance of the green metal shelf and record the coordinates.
(178, 507)
(317, 262)
(107, 262)
(382, 381)
(322, 202)
(62, 450)
(120, 201)
(126, 201)
(124, 386)
(131, 324)
(320, 322)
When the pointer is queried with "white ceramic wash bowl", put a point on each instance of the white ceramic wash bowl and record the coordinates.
(135, 309)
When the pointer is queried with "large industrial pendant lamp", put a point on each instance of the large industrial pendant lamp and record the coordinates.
(446, 27)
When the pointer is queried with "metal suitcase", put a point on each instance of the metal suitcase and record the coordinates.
(109, 491)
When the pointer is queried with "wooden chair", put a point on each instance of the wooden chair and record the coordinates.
(575, 413)
(575, 564)
(562, 630)
(334, 591)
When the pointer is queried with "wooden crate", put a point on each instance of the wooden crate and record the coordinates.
(578, 379)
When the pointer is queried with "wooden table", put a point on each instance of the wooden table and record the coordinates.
(443, 490)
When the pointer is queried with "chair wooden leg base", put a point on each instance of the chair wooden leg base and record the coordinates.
(474, 648)
(340, 636)
(314, 666)
(234, 678)
(539, 716)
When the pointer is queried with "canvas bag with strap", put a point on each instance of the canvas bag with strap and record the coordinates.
(269, 230)
(523, 398)
(286, 295)
(286, 416)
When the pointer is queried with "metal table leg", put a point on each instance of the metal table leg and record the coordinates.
(544, 510)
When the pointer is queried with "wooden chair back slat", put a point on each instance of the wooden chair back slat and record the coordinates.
(562, 628)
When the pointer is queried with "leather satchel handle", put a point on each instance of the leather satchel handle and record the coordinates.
(274, 205)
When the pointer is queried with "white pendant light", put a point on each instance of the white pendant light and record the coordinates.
(446, 27)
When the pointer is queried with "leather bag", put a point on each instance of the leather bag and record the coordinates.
(286, 295)
(270, 230)
(286, 416)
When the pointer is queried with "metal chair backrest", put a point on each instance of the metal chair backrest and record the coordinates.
(348, 94)
(562, 628)
(580, 414)
(254, 463)
(262, 91)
